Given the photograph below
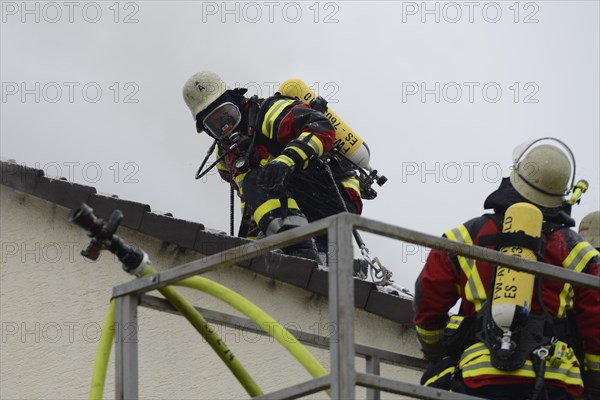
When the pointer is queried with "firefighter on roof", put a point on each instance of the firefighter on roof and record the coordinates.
(563, 324)
(271, 152)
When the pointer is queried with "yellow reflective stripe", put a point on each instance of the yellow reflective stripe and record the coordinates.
(430, 336)
(472, 352)
(477, 289)
(454, 321)
(313, 142)
(270, 205)
(222, 167)
(271, 116)
(238, 179)
(352, 183)
(576, 261)
(476, 361)
(565, 300)
(483, 366)
(285, 160)
(454, 235)
(302, 155)
(265, 207)
(474, 289)
(579, 256)
(437, 377)
(592, 361)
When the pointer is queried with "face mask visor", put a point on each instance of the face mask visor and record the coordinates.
(221, 122)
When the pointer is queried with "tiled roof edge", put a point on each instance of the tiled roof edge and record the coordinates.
(194, 236)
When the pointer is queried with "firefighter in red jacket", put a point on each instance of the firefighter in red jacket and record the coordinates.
(462, 362)
(271, 153)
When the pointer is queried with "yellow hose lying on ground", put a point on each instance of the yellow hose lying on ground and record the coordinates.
(102, 356)
(264, 320)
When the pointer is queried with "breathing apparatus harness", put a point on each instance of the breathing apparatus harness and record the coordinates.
(365, 177)
(540, 336)
(244, 143)
(380, 275)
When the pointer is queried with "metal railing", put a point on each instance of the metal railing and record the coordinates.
(343, 377)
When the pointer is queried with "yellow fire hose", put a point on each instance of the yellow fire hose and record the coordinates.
(240, 303)
(192, 315)
(218, 345)
(103, 354)
(261, 318)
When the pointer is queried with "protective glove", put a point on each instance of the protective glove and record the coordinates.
(275, 173)
(433, 352)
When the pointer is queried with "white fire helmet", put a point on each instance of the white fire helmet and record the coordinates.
(201, 90)
(589, 228)
(543, 174)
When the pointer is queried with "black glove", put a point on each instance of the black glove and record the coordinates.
(433, 352)
(274, 175)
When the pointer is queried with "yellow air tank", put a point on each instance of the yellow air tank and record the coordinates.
(513, 290)
(346, 140)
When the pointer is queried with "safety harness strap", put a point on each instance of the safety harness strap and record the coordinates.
(507, 239)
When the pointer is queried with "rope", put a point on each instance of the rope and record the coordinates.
(231, 210)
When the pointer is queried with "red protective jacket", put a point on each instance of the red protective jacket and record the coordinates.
(446, 279)
(286, 124)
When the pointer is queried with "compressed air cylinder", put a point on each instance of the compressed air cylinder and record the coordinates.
(350, 144)
(513, 290)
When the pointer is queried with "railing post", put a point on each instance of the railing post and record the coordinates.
(126, 347)
(373, 368)
(341, 309)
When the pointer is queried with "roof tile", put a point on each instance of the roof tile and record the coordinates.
(177, 231)
(133, 212)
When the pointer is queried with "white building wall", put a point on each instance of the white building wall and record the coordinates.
(53, 303)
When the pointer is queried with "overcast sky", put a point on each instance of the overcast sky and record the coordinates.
(441, 91)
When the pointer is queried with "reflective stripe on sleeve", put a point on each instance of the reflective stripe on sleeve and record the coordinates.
(285, 160)
(313, 141)
(592, 361)
(579, 256)
(271, 116)
(301, 154)
(430, 336)
(439, 376)
(575, 261)
(352, 183)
